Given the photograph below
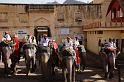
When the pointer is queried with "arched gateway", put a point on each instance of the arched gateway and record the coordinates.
(40, 30)
(42, 26)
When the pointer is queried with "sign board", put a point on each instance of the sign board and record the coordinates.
(21, 33)
(80, 36)
(64, 31)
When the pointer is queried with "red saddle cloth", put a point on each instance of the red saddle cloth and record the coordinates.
(77, 57)
(111, 49)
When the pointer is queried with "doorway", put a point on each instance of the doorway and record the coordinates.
(122, 45)
(40, 30)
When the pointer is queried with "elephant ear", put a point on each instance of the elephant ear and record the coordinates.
(120, 56)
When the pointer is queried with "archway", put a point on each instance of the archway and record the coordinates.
(42, 26)
(40, 30)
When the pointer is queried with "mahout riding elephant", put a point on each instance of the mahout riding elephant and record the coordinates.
(68, 66)
(43, 56)
(29, 49)
(6, 49)
(30, 57)
(108, 61)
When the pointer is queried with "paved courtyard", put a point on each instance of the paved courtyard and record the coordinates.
(92, 73)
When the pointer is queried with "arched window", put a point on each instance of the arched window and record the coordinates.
(114, 13)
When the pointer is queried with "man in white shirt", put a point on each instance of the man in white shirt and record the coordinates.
(68, 43)
(44, 41)
(6, 37)
(76, 42)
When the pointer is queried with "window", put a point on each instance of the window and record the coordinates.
(99, 32)
(78, 17)
(121, 13)
(3, 16)
(23, 18)
(114, 13)
(60, 17)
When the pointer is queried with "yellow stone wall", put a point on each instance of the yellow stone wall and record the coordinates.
(19, 17)
(93, 39)
(110, 29)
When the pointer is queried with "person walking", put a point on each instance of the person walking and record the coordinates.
(75, 45)
(15, 57)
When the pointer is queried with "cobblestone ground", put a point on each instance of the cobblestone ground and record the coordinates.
(92, 73)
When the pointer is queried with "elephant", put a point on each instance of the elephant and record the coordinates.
(43, 56)
(68, 66)
(108, 62)
(30, 57)
(6, 49)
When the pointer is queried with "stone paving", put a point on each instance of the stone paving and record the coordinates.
(92, 73)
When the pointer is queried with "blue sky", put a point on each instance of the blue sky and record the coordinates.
(36, 1)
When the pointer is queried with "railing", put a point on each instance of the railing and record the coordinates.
(41, 7)
(100, 24)
(3, 20)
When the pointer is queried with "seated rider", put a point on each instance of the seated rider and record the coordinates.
(34, 40)
(68, 46)
(44, 41)
(6, 37)
(53, 44)
(44, 44)
(109, 46)
(7, 40)
(29, 41)
(76, 43)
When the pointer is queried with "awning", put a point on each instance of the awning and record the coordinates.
(42, 29)
(39, 30)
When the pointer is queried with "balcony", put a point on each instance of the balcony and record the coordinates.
(78, 20)
(35, 7)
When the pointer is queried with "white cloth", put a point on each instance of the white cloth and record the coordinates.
(83, 48)
(68, 44)
(110, 45)
(7, 37)
(44, 42)
(76, 43)
(30, 39)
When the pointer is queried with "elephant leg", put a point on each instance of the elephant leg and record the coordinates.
(44, 60)
(69, 69)
(45, 69)
(73, 73)
(105, 67)
(13, 67)
(41, 66)
(104, 60)
(64, 74)
(14, 60)
(27, 67)
(52, 69)
(33, 64)
(111, 66)
(5, 68)
(70, 75)
(83, 61)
